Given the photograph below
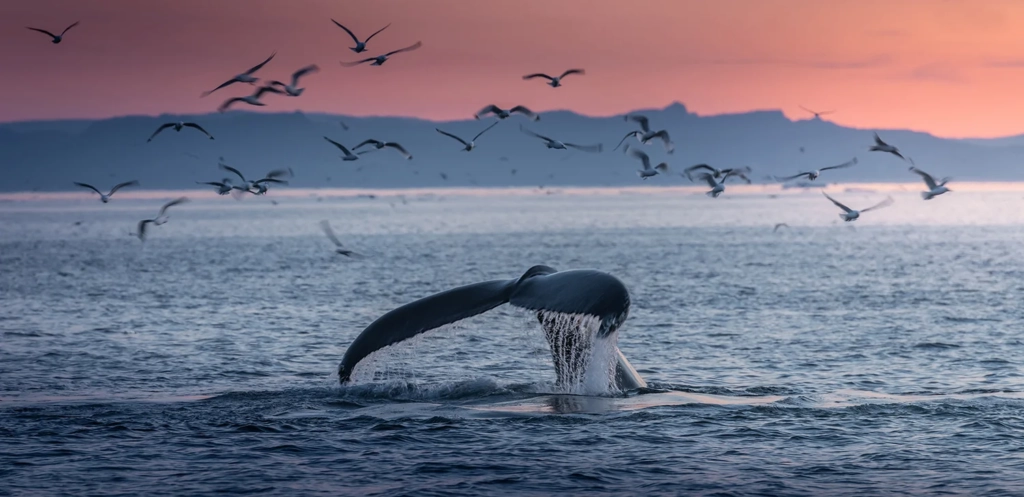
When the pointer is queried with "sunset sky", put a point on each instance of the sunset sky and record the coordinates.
(952, 68)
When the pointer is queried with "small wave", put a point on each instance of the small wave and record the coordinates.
(936, 345)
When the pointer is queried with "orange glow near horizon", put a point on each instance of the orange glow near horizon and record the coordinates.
(952, 68)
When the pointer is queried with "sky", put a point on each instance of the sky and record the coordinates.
(949, 67)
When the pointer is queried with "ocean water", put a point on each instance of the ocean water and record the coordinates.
(828, 358)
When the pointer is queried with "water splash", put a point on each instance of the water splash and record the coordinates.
(584, 362)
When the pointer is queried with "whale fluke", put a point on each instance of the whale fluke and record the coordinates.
(569, 305)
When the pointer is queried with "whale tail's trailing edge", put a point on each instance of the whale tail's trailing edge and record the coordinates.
(541, 288)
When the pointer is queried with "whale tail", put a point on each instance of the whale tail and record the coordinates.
(579, 310)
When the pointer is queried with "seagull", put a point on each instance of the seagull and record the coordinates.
(555, 144)
(471, 144)
(934, 189)
(881, 146)
(381, 59)
(779, 225)
(245, 77)
(555, 82)
(504, 114)
(160, 218)
(646, 135)
(178, 126)
(293, 89)
(379, 145)
(261, 184)
(647, 171)
(349, 156)
(740, 172)
(360, 45)
(817, 115)
(253, 99)
(852, 215)
(106, 198)
(717, 186)
(326, 226)
(813, 175)
(56, 38)
(343, 125)
(224, 186)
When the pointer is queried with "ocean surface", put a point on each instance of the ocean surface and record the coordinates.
(877, 357)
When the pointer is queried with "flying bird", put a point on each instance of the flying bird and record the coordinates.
(360, 45)
(471, 144)
(779, 225)
(555, 82)
(717, 186)
(739, 172)
(326, 226)
(381, 59)
(349, 156)
(161, 217)
(178, 126)
(555, 144)
(504, 114)
(293, 89)
(56, 38)
(253, 99)
(852, 215)
(647, 171)
(261, 184)
(645, 135)
(106, 197)
(881, 146)
(817, 115)
(813, 175)
(380, 144)
(245, 77)
(934, 188)
(343, 125)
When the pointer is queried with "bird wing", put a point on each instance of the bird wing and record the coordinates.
(158, 130)
(445, 133)
(277, 173)
(368, 141)
(879, 142)
(538, 75)
(356, 63)
(270, 180)
(808, 110)
(312, 68)
(326, 226)
(172, 203)
(624, 138)
(586, 148)
(524, 111)
(266, 89)
(840, 166)
(261, 64)
(639, 154)
(69, 27)
(708, 178)
(822, 113)
(142, 229)
(688, 171)
(86, 185)
(44, 31)
(795, 176)
(343, 125)
(642, 120)
(928, 179)
(531, 133)
(487, 110)
(485, 130)
(222, 85)
(738, 174)
(200, 128)
(841, 206)
(572, 71)
(779, 225)
(336, 144)
(236, 171)
(350, 33)
(212, 183)
(374, 34)
(663, 135)
(227, 103)
(409, 48)
(885, 203)
(122, 185)
(400, 149)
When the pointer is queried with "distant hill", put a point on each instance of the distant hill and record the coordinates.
(49, 155)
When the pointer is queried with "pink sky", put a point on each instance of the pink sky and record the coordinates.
(953, 68)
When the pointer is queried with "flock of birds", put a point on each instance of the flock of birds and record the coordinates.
(715, 178)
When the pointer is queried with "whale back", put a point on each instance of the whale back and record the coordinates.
(423, 315)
